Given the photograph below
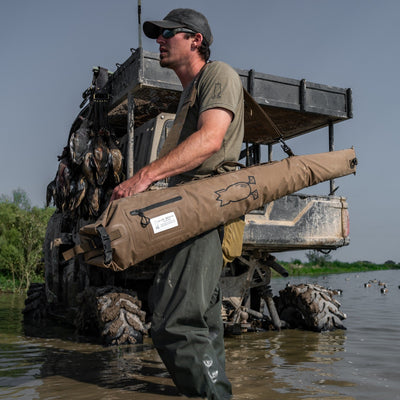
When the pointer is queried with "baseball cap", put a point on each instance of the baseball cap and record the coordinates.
(180, 18)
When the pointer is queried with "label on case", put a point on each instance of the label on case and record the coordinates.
(164, 222)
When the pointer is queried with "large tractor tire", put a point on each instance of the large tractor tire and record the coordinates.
(112, 314)
(35, 310)
(310, 307)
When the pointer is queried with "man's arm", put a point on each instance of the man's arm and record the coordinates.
(189, 154)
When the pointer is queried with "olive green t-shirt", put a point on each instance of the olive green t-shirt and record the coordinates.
(219, 86)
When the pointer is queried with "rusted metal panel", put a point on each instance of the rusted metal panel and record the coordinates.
(298, 222)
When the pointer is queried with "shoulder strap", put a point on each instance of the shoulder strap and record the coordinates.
(173, 136)
(269, 124)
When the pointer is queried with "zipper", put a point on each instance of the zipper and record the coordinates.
(144, 221)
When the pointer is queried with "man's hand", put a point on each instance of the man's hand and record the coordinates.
(131, 186)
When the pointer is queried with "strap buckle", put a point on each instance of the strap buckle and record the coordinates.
(106, 242)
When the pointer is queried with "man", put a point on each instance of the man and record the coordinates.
(187, 327)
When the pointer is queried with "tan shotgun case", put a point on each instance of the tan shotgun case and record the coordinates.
(134, 228)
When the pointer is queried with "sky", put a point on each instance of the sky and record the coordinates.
(48, 49)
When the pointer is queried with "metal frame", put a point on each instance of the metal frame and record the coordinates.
(296, 106)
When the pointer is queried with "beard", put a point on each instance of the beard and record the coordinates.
(164, 63)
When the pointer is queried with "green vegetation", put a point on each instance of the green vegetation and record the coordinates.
(321, 264)
(22, 231)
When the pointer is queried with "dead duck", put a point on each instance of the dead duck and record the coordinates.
(63, 184)
(88, 168)
(101, 159)
(51, 192)
(79, 142)
(93, 199)
(79, 193)
(116, 157)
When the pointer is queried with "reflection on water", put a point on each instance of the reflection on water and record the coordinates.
(359, 363)
(289, 364)
(56, 369)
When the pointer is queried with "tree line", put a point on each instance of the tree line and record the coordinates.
(22, 232)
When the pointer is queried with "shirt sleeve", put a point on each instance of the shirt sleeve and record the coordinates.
(219, 87)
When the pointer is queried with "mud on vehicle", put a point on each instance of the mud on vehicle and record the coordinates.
(124, 119)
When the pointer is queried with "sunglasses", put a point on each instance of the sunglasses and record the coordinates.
(169, 33)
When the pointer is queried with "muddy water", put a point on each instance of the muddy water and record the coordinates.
(359, 363)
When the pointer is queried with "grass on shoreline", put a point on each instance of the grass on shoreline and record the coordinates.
(296, 268)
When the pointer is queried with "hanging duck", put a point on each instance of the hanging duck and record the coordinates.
(79, 142)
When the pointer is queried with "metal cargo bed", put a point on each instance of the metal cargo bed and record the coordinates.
(295, 106)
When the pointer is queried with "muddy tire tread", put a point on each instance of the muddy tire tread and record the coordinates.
(114, 314)
(311, 307)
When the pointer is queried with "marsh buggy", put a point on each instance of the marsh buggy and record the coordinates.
(124, 119)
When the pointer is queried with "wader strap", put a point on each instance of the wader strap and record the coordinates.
(174, 134)
(101, 242)
(269, 124)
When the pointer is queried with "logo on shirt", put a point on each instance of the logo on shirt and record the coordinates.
(217, 91)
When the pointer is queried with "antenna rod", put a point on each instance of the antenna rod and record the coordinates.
(139, 8)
